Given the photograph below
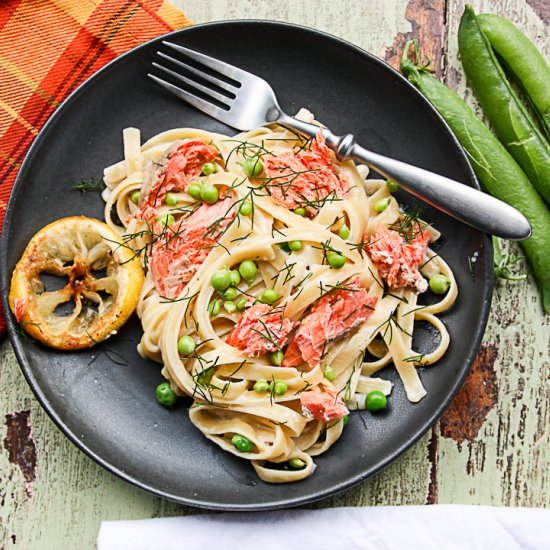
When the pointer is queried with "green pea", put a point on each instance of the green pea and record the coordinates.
(261, 386)
(280, 387)
(268, 296)
(248, 270)
(392, 186)
(343, 232)
(165, 219)
(214, 308)
(205, 377)
(297, 463)
(376, 401)
(229, 306)
(241, 304)
(134, 197)
(329, 373)
(345, 420)
(166, 395)
(439, 284)
(186, 345)
(195, 190)
(300, 211)
(209, 168)
(253, 167)
(171, 199)
(230, 293)
(235, 277)
(220, 280)
(209, 194)
(246, 208)
(276, 357)
(242, 443)
(295, 246)
(381, 205)
(336, 260)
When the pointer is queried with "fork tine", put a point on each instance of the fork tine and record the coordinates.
(212, 63)
(205, 76)
(197, 102)
(204, 89)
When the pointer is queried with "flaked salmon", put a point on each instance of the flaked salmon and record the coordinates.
(178, 251)
(305, 179)
(397, 259)
(176, 170)
(323, 405)
(261, 329)
(331, 317)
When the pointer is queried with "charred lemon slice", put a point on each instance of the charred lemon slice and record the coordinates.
(75, 284)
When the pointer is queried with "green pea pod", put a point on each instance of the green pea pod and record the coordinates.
(497, 171)
(523, 60)
(508, 116)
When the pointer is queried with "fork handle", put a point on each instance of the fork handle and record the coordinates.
(460, 201)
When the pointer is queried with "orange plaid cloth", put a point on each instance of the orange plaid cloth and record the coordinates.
(48, 48)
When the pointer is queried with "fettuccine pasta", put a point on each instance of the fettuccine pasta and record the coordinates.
(271, 268)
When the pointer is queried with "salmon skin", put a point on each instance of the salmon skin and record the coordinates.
(261, 329)
(397, 258)
(323, 405)
(331, 317)
(176, 170)
(179, 250)
(305, 179)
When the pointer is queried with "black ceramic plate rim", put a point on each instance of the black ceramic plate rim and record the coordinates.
(19, 346)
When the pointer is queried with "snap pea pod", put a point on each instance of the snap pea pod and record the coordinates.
(508, 116)
(497, 171)
(523, 60)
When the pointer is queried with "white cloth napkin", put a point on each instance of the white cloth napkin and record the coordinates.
(441, 527)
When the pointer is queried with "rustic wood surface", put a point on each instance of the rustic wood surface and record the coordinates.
(491, 447)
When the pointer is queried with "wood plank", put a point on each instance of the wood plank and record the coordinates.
(507, 461)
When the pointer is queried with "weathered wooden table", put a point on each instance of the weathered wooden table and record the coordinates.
(491, 447)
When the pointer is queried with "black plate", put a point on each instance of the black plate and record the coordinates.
(108, 409)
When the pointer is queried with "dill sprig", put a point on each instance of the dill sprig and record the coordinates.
(503, 262)
(87, 186)
(388, 324)
(410, 226)
(417, 359)
(25, 335)
(243, 147)
(269, 335)
(304, 388)
(414, 310)
(299, 285)
(428, 261)
(326, 248)
(400, 298)
(346, 390)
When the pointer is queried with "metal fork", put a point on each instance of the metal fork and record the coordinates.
(250, 102)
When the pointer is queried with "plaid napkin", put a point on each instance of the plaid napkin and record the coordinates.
(48, 48)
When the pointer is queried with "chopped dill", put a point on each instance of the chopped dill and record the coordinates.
(503, 262)
(89, 186)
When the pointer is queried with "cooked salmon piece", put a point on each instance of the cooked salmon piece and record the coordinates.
(331, 317)
(179, 251)
(305, 178)
(261, 329)
(176, 170)
(397, 259)
(323, 405)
